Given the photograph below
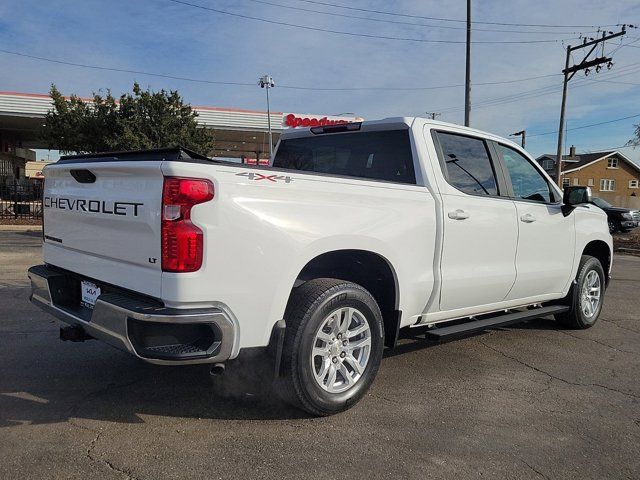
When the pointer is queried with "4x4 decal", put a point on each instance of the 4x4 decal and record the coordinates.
(270, 178)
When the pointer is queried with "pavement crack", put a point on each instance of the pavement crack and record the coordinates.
(98, 433)
(621, 327)
(109, 464)
(531, 467)
(599, 343)
(383, 398)
(555, 377)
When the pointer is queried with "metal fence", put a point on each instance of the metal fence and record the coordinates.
(21, 200)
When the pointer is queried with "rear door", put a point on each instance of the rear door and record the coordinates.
(546, 238)
(480, 228)
(102, 220)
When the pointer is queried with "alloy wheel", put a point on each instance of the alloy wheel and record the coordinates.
(341, 350)
(590, 295)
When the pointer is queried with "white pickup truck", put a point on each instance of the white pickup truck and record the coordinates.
(352, 233)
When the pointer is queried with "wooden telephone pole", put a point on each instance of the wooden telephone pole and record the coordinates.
(467, 78)
(570, 71)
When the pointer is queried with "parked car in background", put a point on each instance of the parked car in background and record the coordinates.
(619, 219)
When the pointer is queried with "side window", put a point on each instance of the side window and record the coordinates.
(528, 183)
(468, 164)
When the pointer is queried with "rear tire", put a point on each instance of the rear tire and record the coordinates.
(586, 296)
(333, 345)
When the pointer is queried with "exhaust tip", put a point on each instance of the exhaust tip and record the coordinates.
(217, 369)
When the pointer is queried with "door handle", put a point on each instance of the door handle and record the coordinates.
(458, 215)
(528, 218)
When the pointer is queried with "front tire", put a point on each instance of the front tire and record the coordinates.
(333, 345)
(586, 296)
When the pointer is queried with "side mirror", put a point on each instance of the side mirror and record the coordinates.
(576, 195)
(573, 196)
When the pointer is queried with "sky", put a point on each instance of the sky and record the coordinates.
(384, 76)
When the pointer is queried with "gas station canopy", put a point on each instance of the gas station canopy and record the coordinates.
(238, 133)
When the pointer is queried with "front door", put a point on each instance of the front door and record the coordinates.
(546, 238)
(480, 227)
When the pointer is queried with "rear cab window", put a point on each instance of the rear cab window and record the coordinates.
(377, 155)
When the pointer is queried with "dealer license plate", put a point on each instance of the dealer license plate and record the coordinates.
(89, 293)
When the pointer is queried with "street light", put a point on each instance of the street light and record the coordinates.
(267, 82)
(521, 133)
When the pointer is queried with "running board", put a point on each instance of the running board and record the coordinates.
(474, 326)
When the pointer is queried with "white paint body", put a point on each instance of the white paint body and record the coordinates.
(259, 235)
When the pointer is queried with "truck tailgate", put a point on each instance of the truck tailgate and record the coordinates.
(102, 220)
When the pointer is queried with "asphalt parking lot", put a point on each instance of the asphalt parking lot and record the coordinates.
(532, 401)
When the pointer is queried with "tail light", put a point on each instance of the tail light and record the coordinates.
(182, 243)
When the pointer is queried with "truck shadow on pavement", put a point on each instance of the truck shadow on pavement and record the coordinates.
(123, 389)
(95, 382)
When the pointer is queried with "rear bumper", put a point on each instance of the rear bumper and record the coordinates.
(135, 324)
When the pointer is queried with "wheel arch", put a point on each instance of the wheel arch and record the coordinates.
(600, 250)
(368, 269)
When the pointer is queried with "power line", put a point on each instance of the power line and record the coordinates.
(123, 70)
(536, 92)
(614, 81)
(541, 91)
(400, 22)
(252, 84)
(354, 34)
(586, 126)
(610, 149)
(628, 70)
(527, 95)
(457, 20)
(437, 87)
(488, 102)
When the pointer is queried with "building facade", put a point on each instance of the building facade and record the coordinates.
(611, 176)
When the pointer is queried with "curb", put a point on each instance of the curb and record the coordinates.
(628, 251)
(20, 228)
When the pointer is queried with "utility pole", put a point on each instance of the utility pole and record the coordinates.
(433, 115)
(521, 133)
(467, 79)
(585, 64)
(267, 82)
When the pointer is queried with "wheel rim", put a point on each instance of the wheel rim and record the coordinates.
(341, 350)
(612, 227)
(590, 298)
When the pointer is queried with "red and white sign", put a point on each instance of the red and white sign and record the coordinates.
(295, 120)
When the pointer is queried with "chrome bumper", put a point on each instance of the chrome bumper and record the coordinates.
(111, 319)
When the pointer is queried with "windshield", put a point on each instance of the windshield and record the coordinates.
(600, 202)
(381, 155)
